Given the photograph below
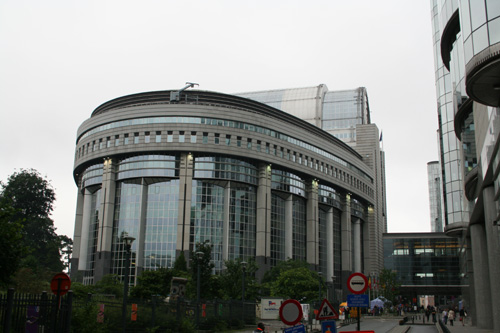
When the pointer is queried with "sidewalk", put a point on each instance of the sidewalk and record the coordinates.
(458, 328)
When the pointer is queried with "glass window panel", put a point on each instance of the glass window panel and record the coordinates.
(494, 30)
(493, 8)
(480, 39)
(477, 13)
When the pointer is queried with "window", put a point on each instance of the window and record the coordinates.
(181, 136)
(136, 137)
(267, 148)
(108, 142)
(205, 137)
(147, 137)
(228, 140)
(126, 139)
(158, 137)
(258, 145)
(170, 136)
(117, 140)
(249, 143)
(216, 139)
(101, 145)
(238, 141)
(193, 137)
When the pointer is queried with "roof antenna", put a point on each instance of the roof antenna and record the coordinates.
(175, 95)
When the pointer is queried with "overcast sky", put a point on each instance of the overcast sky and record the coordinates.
(59, 60)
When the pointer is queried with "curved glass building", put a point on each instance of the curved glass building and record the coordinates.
(253, 180)
(467, 53)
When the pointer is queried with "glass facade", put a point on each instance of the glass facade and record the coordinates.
(277, 229)
(434, 175)
(450, 92)
(207, 219)
(242, 222)
(423, 260)
(161, 224)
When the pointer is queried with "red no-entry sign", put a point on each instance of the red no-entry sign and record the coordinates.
(60, 283)
(357, 283)
(291, 312)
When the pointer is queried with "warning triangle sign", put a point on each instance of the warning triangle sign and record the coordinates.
(326, 311)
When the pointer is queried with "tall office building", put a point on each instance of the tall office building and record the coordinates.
(467, 60)
(434, 176)
(344, 114)
(175, 168)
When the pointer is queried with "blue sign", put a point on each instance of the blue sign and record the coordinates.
(296, 329)
(328, 326)
(358, 301)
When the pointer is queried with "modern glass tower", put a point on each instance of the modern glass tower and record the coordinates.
(466, 36)
(434, 176)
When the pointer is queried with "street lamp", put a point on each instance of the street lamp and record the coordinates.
(199, 256)
(319, 278)
(243, 269)
(127, 241)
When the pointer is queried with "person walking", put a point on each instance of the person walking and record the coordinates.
(463, 315)
(444, 316)
(451, 316)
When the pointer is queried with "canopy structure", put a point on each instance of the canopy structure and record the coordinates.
(376, 302)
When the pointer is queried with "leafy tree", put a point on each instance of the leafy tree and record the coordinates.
(110, 284)
(232, 279)
(389, 284)
(32, 198)
(10, 242)
(272, 275)
(153, 282)
(298, 283)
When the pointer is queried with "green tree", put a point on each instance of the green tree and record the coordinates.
(110, 284)
(10, 242)
(153, 282)
(389, 283)
(32, 198)
(272, 275)
(232, 279)
(298, 283)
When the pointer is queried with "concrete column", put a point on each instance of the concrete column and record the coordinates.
(481, 276)
(141, 237)
(356, 230)
(225, 230)
(77, 234)
(184, 208)
(493, 248)
(312, 249)
(106, 212)
(289, 227)
(346, 231)
(85, 228)
(263, 236)
(329, 247)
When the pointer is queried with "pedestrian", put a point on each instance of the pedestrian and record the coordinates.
(451, 316)
(444, 316)
(260, 327)
(433, 314)
(463, 315)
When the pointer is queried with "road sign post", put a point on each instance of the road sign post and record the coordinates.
(357, 283)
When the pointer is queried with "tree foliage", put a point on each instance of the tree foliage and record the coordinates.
(28, 200)
(10, 242)
(232, 280)
(298, 283)
(389, 284)
(202, 257)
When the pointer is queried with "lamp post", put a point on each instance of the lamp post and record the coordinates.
(243, 269)
(319, 279)
(199, 256)
(127, 241)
